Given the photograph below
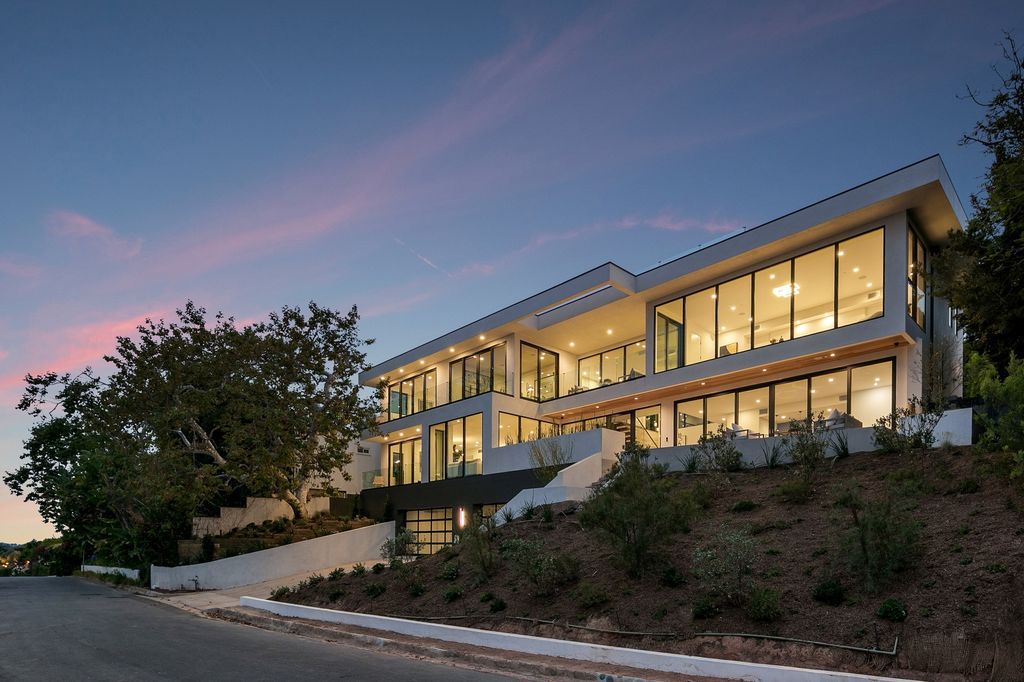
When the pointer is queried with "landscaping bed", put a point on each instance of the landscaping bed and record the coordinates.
(253, 537)
(955, 600)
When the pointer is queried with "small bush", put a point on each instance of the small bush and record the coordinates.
(450, 571)
(907, 428)
(829, 591)
(507, 514)
(701, 494)
(529, 510)
(546, 571)
(796, 491)
(280, 592)
(717, 452)
(773, 449)
(881, 541)
(477, 539)
(691, 462)
(967, 486)
(764, 605)
(486, 597)
(548, 456)
(335, 595)
(724, 568)
(374, 590)
(892, 609)
(996, 568)
(498, 604)
(336, 574)
(403, 544)
(671, 577)
(743, 506)
(452, 593)
(314, 580)
(358, 570)
(546, 514)
(705, 608)
(378, 568)
(589, 595)
(807, 447)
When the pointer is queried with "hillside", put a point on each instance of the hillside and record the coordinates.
(961, 588)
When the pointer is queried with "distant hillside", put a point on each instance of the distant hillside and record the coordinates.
(8, 546)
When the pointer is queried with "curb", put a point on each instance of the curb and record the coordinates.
(419, 649)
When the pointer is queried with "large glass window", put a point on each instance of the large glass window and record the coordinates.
(773, 295)
(790, 404)
(478, 373)
(734, 316)
(647, 426)
(412, 395)
(668, 335)
(700, 326)
(814, 292)
(753, 412)
(828, 392)
(861, 264)
(456, 448)
(514, 429)
(721, 411)
(871, 394)
(612, 366)
(438, 447)
(689, 421)
(432, 528)
(404, 466)
(916, 268)
(538, 371)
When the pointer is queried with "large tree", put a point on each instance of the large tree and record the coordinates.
(980, 269)
(194, 410)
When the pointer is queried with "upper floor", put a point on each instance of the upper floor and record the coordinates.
(844, 273)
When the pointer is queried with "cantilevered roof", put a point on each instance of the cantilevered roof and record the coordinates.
(923, 188)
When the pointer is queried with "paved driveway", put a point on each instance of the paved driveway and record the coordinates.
(73, 629)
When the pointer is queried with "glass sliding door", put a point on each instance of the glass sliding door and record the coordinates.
(647, 426)
(753, 412)
(405, 462)
(700, 326)
(814, 292)
(508, 429)
(590, 372)
(474, 443)
(538, 372)
(438, 449)
(668, 336)
(689, 421)
(476, 374)
(828, 392)
(790, 404)
(871, 392)
(636, 357)
(734, 316)
(861, 265)
(773, 293)
(721, 411)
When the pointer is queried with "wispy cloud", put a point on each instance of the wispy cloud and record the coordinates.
(75, 226)
(12, 266)
(420, 257)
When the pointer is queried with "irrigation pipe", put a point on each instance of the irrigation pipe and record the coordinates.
(803, 641)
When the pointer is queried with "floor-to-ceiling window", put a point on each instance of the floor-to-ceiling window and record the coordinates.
(538, 372)
(830, 287)
(456, 448)
(404, 462)
(412, 395)
(916, 268)
(513, 429)
(481, 372)
(647, 426)
(864, 392)
(612, 366)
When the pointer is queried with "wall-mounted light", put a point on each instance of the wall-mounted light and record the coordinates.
(462, 517)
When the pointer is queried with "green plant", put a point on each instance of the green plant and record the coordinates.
(671, 577)
(547, 514)
(477, 540)
(336, 574)
(374, 590)
(996, 568)
(966, 486)
(724, 568)
(546, 571)
(764, 605)
(773, 449)
(589, 595)
(450, 571)
(452, 593)
(508, 515)
(743, 506)
(718, 453)
(839, 442)
(529, 509)
(548, 456)
(280, 592)
(403, 544)
(634, 508)
(807, 446)
(314, 580)
(498, 604)
(907, 428)
(881, 540)
(378, 568)
(335, 595)
(829, 591)
(358, 570)
(795, 491)
(701, 494)
(892, 609)
(705, 608)
(690, 461)
(486, 597)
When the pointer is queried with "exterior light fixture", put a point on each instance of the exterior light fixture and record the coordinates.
(462, 517)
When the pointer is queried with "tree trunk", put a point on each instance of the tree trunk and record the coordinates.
(299, 499)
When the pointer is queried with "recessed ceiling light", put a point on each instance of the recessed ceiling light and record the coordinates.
(732, 307)
(423, 362)
(451, 350)
(702, 383)
(572, 344)
(401, 371)
(609, 332)
(482, 337)
(831, 355)
(842, 253)
(764, 370)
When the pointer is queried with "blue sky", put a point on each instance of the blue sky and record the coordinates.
(430, 162)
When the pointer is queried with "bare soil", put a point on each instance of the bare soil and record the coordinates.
(963, 594)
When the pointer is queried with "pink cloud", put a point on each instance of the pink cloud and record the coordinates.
(77, 226)
(13, 267)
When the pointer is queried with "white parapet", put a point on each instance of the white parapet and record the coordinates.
(111, 570)
(324, 553)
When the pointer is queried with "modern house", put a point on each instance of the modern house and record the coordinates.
(824, 310)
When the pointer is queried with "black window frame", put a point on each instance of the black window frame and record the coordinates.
(422, 376)
(444, 455)
(461, 362)
(539, 350)
(391, 463)
(600, 355)
(916, 270)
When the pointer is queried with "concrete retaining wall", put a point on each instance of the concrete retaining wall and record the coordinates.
(111, 570)
(326, 553)
(579, 651)
(581, 445)
(256, 510)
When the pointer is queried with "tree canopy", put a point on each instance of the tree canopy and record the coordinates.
(194, 411)
(979, 270)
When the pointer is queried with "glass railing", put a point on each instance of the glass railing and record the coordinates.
(374, 479)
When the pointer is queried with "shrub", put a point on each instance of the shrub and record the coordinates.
(724, 568)
(498, 604)
(208, 549)
(336, 574)
(335, 595)
(773, 449)
(403, 544)
(529, 509)
(546, 571)
(705, 608)
(280, 592)
(452, 593)
(314, 580)
(796, 491)
(908, 428)
(477, 540)
(374, 590)
(450, 571)
(881, 541)
(743, 506)
(764, 605)
(548, 456)
(589, 595)
(358, 570)
(717, 452)
(1002, 409)
(547, 514)
(416, 588)
(671, 577)
(378, 568)
(486, 597)
(996, 568)
(634, 509)
(507, 514)
(892, 609)
(701, 494)
(839, 442)
(690, 462)
(966, 486)
(806, 447)
(829, 591)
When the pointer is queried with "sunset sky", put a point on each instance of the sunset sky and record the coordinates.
(428, 161)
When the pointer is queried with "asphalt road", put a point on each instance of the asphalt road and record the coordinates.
(73, 629)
